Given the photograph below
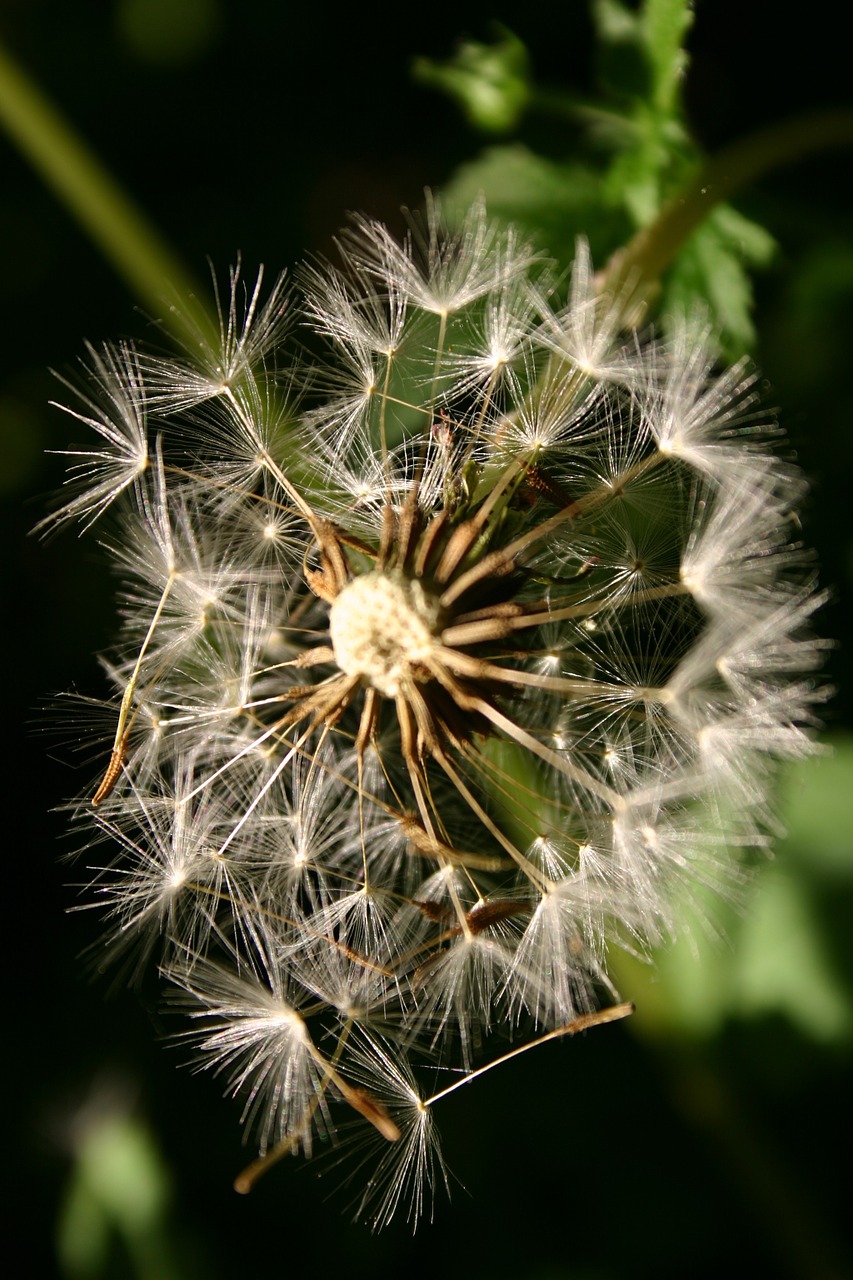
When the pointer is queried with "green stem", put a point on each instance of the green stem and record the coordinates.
(644, 259)
(114, 223)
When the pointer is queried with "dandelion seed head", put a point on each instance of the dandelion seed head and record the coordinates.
(459, 642)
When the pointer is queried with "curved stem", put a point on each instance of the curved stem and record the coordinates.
(114, 223)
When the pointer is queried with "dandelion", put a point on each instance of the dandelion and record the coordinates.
(456, 651)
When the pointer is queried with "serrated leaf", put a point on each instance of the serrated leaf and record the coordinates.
(712, 268)
(752, 242)
(641, 53)
(664, 25)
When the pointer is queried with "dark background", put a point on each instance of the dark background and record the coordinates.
(598, 1158)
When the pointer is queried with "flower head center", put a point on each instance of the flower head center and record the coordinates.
(383, 628)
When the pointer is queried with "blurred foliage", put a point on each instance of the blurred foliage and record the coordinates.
(490, 82)
(631, 150)
(116, 1202)
(780, 950)
(715, 1131)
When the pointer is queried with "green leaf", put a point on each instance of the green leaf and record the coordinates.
(783, 965)
(117, 1198)
(665, 23)
(552, 202)
(490, 82)
(775, 953)
(641, 52)
(657, 151)
(622, 65)
(817, 800)
(633, 181)
(713, 267)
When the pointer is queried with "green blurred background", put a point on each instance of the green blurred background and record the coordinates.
(711, 1133)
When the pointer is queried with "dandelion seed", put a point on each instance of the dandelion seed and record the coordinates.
(440, 675)
(117, 413)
